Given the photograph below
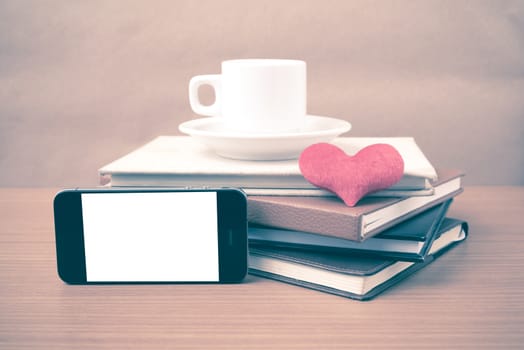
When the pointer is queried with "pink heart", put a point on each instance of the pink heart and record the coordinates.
(373, 168)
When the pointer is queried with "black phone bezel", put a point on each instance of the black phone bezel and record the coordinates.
(232, 233)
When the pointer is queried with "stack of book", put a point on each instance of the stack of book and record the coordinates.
(307, 236)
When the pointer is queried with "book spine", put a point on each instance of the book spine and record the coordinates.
(304, 219)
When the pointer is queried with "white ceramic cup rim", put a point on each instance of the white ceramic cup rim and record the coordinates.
(270, 62)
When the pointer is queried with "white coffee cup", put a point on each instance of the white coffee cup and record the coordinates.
(255, 95)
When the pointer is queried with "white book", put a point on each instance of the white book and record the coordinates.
(182, 161)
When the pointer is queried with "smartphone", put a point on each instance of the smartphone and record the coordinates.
(151, 235)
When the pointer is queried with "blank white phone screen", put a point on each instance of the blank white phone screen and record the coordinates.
(151, 237)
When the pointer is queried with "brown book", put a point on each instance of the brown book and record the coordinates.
(348, 275)
(330, 216)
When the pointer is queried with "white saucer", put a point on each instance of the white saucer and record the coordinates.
(270, 146)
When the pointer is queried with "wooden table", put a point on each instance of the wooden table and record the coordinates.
(472, 297)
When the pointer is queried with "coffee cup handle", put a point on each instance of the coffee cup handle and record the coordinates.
(194, 99)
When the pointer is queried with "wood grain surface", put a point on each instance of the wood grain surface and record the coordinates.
(472, 297)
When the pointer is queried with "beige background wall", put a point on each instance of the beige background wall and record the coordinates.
(84, 82)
